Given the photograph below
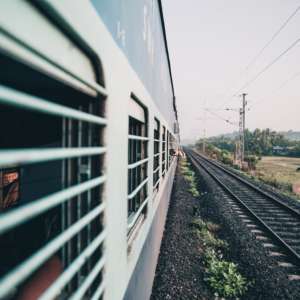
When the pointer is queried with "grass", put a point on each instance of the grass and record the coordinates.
(221, 275)
(205, 231)
(190, 177)
(277, 171)
(281, 168)
(280, 172)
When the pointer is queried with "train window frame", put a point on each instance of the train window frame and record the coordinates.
(138, 166)
(156, 154)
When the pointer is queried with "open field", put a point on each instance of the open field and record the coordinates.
(279, 169)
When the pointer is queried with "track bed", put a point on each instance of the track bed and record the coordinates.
(179, 274)
(265, 215)
(262, 258)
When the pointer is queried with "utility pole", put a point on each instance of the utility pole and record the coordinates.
(240, 141)
(204, 127)
(242, 126)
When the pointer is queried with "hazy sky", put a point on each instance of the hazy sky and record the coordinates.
(211, 42)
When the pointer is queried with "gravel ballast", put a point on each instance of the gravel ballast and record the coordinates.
(269, 280)
(179, 274)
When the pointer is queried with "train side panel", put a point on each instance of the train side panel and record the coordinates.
(130, 256)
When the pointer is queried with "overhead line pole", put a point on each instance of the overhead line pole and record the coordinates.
(243, 116)
(204, 129)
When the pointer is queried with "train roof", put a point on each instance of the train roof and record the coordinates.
(168, 54)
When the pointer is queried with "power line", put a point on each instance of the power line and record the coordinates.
(294, 76)
(267, 45)
(221, 118)
(268, 66)
(272, 38)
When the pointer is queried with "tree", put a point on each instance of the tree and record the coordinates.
(258, 142)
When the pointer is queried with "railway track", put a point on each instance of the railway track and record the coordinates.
(272, 221)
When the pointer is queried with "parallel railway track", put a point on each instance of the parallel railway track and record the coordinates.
(275, 222)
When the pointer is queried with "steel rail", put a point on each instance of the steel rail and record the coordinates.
(270, 231)
(249, 184)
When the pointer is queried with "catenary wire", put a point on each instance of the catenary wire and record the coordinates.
(279, 30)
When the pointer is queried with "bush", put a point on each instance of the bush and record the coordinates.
(252, 161)
(193, 190)
(223, 276)
(237, 167)
(227, 160)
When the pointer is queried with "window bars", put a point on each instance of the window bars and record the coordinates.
(170, 149)
(164, 150)
(137, 168)
(51, 182)
(156, 155)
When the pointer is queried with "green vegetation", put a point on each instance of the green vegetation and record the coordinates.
(221, 275)
(213, 151)
(271, 157)
(206, 234)
(258, 143)
(189, 176)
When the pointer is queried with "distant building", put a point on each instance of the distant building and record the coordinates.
(279, 150)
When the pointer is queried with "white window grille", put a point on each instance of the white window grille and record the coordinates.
(168, 150)
(137, 165)
(164, 150)
(51, 182)
(156, 155)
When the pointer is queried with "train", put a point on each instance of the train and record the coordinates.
(88, 147)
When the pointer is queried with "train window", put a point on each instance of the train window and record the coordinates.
(51, 185)
(163, 163)
(168, 150)
(137, 165)
(156, 155)
(172, 147)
